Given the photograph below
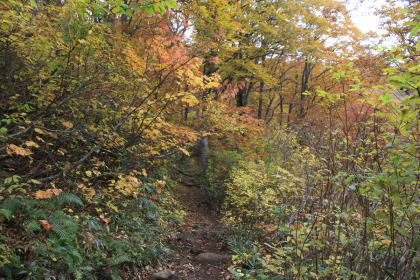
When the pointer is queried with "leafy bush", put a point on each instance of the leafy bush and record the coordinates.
(57, 235)
(221, 165)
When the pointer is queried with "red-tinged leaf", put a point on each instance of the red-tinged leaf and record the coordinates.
(107, 220)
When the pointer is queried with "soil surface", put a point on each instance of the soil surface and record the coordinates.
(199, 252)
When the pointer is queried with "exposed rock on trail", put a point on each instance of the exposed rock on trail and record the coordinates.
(212, 258)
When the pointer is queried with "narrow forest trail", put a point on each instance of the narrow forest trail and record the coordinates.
(199, 252)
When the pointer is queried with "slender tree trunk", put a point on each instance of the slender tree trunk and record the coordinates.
(197, 112)
(204, 151)
(260, 101)
(281, 111)
(186, 111)
(307, 70)
(289, 113)
(248, 94)
(267, 110)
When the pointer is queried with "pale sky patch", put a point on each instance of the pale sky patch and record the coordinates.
(363, 15)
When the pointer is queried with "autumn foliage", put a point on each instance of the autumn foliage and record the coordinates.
(305, 137)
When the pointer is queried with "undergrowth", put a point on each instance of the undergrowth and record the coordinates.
(66, 237)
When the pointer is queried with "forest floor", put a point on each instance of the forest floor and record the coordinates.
(199, 252)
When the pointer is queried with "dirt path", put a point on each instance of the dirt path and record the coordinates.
(199, 252)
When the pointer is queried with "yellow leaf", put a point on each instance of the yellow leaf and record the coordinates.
(386, 242)
(40, 131)
(185, 151)
(89, 173)
(31, 144)
(52, 135)
(35, 181)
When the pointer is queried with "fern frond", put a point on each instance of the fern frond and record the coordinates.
(118, 245)
(78, 274)
(32, 225)
(61, 232)
(66, 197)
(7, 213)
(93, 224)
(37, 214)
(11, 206)
(63, 225)
(115, 260)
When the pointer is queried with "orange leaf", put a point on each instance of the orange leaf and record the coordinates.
(43, 194)
(18, 150)
(107, 220)
(45, 224)
(40, 139)
(297, 226)
(47, 194)
(56, 192)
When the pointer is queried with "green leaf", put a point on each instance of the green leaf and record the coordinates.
(398, 79)
(403, 232)
(172, 4)
(7, 213)
(149, 10)
(414, 30)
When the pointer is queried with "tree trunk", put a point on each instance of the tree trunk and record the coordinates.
(204, 152)
(186, 111)
(260, 101)
(304, 86)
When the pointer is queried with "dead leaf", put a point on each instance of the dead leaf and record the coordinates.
(42, 195)
(45, 224)
(56, 192)
(47, 193)
(107, 220)
(18, 150)
(40, 139)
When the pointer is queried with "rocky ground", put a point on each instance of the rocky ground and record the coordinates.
(199, 253)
